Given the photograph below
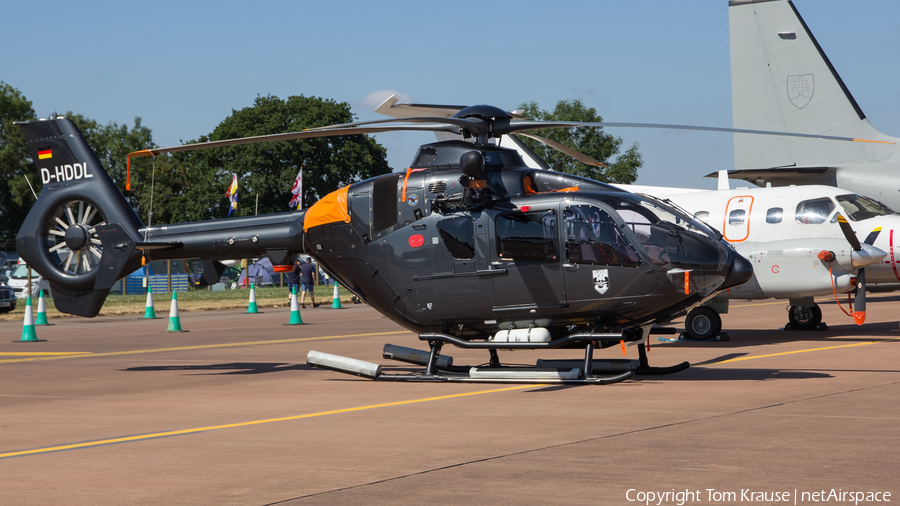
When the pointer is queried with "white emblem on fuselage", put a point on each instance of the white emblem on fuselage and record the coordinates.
(601, 280)
(66, 173)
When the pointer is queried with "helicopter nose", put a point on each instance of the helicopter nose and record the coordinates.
(740, 273)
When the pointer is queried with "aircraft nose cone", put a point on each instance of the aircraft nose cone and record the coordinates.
(868, 255)
(741, 272)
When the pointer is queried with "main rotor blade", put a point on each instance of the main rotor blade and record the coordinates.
(304, 134)
(519, 125)
(473, 125)
(581, 157)
(848, 232)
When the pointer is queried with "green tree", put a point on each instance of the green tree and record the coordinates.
(590, 141)
(15, 163)
(269, 169)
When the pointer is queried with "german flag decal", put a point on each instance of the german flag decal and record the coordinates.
(44, 154)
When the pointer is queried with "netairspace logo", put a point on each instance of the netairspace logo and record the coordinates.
(746, 495)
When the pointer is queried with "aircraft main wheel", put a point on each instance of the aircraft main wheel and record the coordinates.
(805, 317)
(702, 324)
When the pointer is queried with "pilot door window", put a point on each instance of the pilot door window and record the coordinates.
(458, 235)
(592, 237)
(527, 236)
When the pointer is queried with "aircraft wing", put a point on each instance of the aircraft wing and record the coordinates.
(784, 176)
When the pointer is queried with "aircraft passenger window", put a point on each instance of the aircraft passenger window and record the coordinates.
(859, 208)
(458, 235)
(737, 217)
(592, 237)
(815, 211)
(774, 215)
(527, 236)
(702, 216)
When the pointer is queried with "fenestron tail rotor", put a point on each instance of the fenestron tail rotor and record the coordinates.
(71, 237)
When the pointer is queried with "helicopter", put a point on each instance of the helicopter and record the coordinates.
(468, 247)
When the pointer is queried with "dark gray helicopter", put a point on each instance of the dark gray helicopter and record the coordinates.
(468, 247)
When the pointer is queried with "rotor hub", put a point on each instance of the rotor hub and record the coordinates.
(76, 237)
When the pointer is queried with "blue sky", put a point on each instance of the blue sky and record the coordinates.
(183, 66)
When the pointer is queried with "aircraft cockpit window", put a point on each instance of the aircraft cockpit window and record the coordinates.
(774, 215)
(527, 236)
(860, 208)
(592, 237)
(815, 211)
(458, 235)
(737, 217)
(702, 216)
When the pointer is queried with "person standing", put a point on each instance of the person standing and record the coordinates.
(308, 278)
(294, 279)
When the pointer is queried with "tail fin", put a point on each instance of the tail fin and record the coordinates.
(81, 233)
(782, 80)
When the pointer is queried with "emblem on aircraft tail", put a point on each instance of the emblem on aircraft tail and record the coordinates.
(601, 280)
(800, 89)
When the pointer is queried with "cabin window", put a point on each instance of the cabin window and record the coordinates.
(527, 236)
(592, 237)
(458, 235)
(737, 217)
(774, 215)
(815, 211)
(702, 216)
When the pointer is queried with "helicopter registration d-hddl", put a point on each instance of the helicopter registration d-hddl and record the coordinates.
(468, 247)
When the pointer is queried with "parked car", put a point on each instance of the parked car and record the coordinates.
(7, 299)
(18, 281)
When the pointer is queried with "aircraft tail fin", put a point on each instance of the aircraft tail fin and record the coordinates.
(781, 79)
(81, 233)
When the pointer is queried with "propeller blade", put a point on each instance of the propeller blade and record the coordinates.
(859, 302)
(870, 239)
(581, 157)
(848, 232)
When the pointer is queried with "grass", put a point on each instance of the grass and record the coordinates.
(192, 300)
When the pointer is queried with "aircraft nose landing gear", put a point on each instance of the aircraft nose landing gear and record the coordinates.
(805, 318)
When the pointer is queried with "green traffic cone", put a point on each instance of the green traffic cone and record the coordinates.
(336, 300)
(295, 309)
(174, 318)
(150, 312)
(28, 333)
(252, 308)
(42, 310)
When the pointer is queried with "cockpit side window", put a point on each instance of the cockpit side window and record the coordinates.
(527, 236)
(859, 208)
(815, 211)
(702, 216)
(592, 237)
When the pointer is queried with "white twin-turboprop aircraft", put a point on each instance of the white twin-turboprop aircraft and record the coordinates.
(788, 233)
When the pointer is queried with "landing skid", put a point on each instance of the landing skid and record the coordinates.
(439, 368)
